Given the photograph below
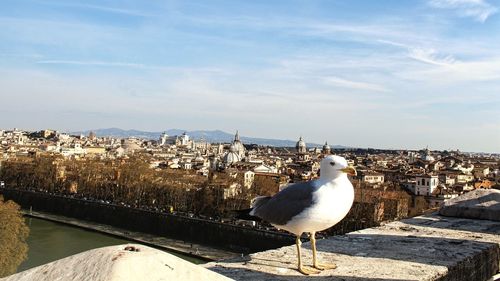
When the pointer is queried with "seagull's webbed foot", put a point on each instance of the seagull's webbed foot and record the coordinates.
(316, 264)
(308, 270)
(300, 267)
(323, 266)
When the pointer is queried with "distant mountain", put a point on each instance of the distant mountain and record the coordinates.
(119, 133)
(209, 136)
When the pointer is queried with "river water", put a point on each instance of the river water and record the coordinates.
(49, 241)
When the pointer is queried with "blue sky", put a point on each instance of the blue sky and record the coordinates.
(388, 74)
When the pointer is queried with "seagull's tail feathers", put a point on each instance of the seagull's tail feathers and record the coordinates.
(249, 214)
(245, 215)
(259, 201)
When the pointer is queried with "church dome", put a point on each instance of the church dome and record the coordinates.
(233, 148)
(300, 143)
(231, 157)
(130, 145)
(326, 146)
(237, 147)
(301, 146)
(426, 155)
(429, 158)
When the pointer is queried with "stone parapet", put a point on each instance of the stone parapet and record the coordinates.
(429, 247)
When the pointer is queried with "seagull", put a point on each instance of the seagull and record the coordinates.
(308, 207)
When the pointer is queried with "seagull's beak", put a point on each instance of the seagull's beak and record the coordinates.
(350, 171)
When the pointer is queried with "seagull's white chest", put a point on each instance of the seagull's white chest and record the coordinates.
(331, 203)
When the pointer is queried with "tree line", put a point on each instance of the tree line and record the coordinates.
(130, 182)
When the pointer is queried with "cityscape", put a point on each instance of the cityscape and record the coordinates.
(165, 174)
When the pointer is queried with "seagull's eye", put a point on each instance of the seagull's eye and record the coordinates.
(332, 163)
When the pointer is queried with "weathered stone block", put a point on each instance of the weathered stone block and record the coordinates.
(422, 248)
(478, 204)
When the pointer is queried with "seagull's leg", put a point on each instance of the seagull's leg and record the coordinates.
(316, 264)
(303, 270)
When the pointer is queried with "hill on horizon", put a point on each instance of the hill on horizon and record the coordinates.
(211, 136)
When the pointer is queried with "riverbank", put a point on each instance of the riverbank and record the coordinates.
(49, 241)
(172, 245)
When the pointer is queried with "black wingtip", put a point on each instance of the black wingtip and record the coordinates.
(245, 215)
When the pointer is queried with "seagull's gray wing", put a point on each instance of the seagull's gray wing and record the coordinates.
(285, 204)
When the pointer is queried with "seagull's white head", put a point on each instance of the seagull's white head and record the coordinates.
(333, 166)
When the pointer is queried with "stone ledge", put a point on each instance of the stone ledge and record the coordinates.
(478, 204)
(428, 247)
(172, 245)
(118, 263)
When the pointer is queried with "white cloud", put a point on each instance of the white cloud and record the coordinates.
(422, 54)
(430, 56)
(103, 8)
(392, 43)
(478, 70)
(445, 69)
(21, 55)
(480, 10)
(92, 63)
(139, 66)
(337, 81)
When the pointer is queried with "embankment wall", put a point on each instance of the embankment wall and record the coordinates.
(223, 235)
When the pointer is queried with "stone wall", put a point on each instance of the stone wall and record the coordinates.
(240, 239)
(222, 235)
